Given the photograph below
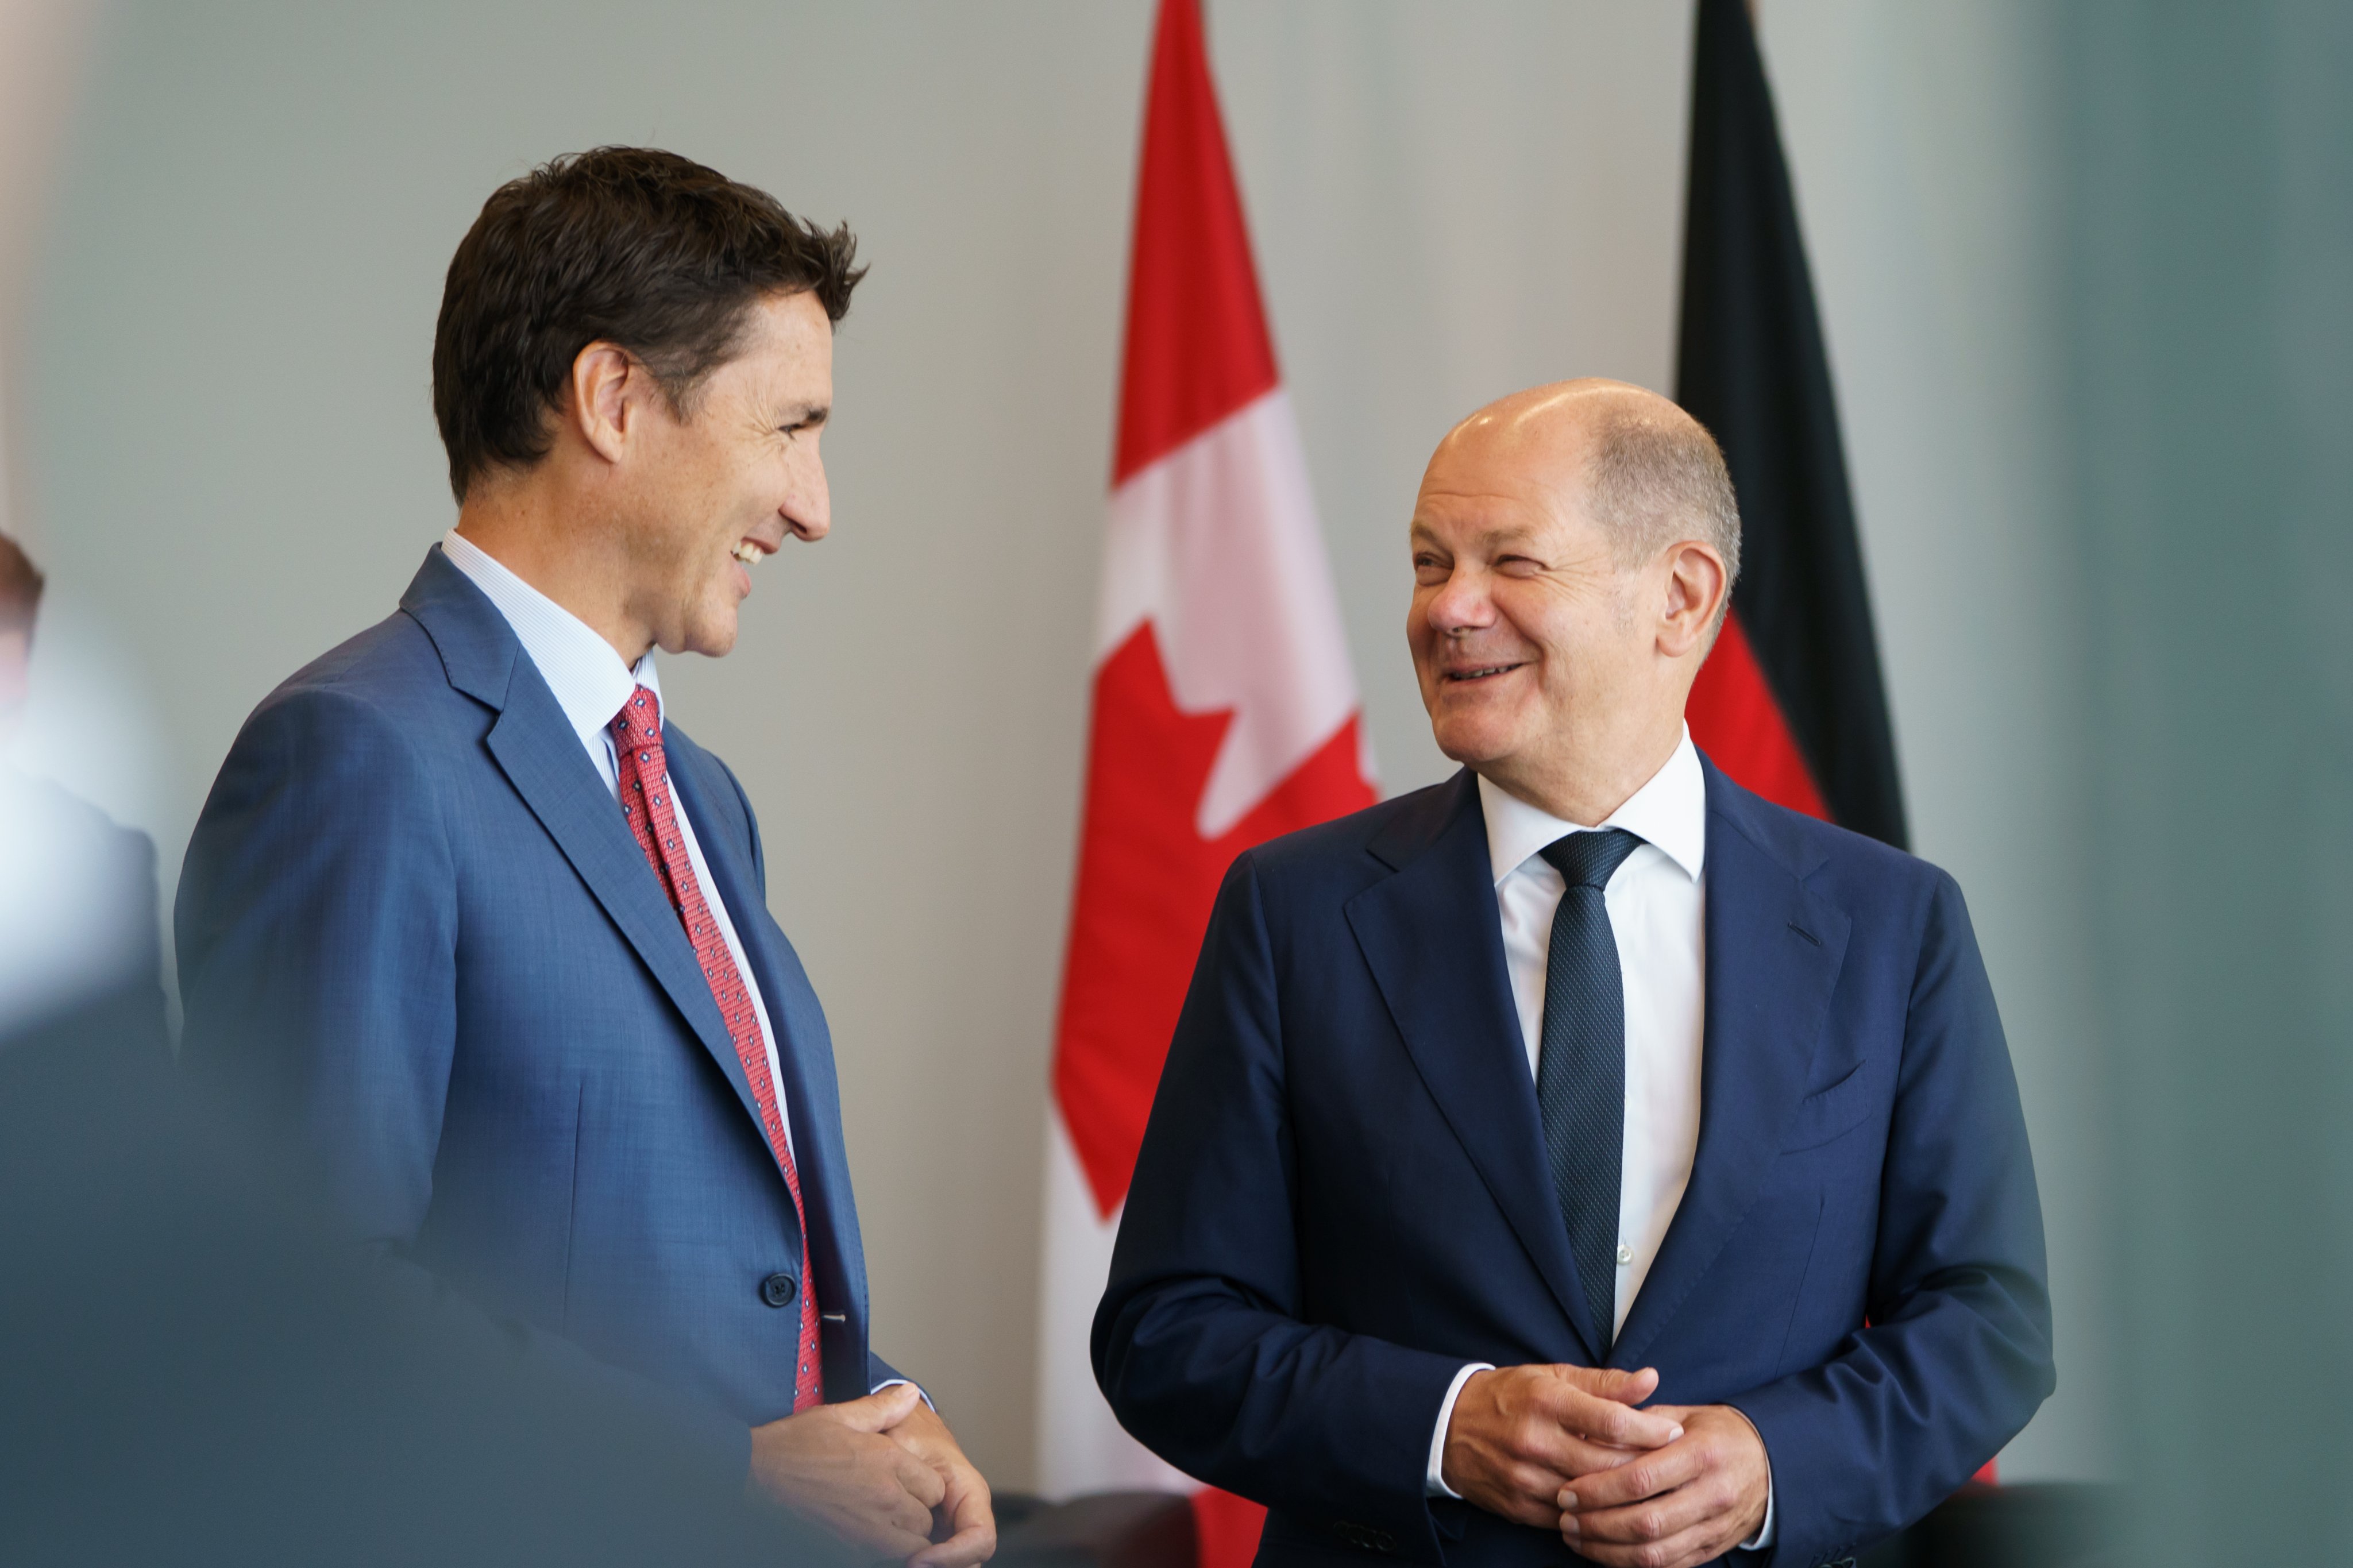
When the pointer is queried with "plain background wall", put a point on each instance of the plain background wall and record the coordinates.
(226, 434)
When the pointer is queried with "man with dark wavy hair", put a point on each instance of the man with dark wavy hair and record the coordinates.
(490, 935)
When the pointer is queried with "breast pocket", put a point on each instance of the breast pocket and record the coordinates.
(1829, 1113)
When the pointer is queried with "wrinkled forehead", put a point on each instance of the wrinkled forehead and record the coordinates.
(1487, 483)
(783, 353)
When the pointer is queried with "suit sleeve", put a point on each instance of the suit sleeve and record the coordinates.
(317, 931)
(317, 925)
(1957, 1354)
(1200, 1343)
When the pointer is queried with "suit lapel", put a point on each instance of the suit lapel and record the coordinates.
(1434, 941)
(1773, 954)
(537, 749)
(804, 1044)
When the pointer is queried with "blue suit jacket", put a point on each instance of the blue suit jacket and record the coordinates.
(414, 924)
(1342, 1196)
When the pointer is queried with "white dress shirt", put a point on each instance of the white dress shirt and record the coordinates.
(1657, 904)
(591, 683)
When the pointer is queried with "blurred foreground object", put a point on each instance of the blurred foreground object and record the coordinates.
(2206, 333)
(197, 1373)
(1103, 1529)
(77, 895)
(2048, 1524)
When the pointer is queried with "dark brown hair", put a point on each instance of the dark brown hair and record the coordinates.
(20, 587)
(630, 246)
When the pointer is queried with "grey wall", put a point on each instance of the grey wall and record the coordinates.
(226, 436)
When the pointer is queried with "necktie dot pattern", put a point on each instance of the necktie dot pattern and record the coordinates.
(652, 817)
(1581, 1064)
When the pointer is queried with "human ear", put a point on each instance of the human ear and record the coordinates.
(604, 384)
(1696, 584)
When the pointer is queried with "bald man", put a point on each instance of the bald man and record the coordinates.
(1582, 1155)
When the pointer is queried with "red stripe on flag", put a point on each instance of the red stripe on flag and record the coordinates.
(1198, 348)
(1736, 722)
(1225, 1529)
(1147, 881)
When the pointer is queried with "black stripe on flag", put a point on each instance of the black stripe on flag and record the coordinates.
(1750, 366)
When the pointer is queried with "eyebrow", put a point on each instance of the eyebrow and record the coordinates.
(1503, 537)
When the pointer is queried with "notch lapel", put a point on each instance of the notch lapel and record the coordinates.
(542, 755)
(1433, 939)
(1774, 951)
(537, 749)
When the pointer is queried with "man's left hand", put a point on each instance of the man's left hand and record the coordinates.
(965, 1514)
(1689, 1502)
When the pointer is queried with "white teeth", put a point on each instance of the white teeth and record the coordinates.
(748, 552)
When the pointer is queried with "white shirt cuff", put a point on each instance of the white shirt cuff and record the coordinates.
(1764, 1536)
(1434, 1484)
(895, 1382)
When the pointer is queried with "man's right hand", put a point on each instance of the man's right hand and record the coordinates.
(833, 1465)
(1519, 1434)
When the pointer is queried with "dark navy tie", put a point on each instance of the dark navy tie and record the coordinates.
(1581, 1064)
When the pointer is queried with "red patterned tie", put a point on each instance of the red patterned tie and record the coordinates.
(646, 803)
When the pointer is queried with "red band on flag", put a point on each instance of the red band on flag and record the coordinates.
(1198, 348)
(1226, 1528)
(1736, 722)
(1147, 881)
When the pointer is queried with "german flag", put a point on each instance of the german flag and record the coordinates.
(1790, 702)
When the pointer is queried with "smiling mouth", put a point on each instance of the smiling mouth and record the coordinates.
(1479, 672)
(750, 552)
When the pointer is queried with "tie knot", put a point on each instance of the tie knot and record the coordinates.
(639, 723)
(1590, 859)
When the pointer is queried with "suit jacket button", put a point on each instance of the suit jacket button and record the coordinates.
(778, 1289)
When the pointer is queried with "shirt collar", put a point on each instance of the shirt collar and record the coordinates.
(1670, 812)
(588, 678)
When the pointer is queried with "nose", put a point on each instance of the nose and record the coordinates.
(808, 509)
(1461, 602)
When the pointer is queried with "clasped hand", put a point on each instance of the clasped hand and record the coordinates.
(884, 1473)
(1566, 1449)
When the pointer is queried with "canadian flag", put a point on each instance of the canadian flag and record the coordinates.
(1224, 713)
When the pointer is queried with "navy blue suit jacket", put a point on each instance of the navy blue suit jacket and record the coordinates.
(1342, 1196)
(415, 926)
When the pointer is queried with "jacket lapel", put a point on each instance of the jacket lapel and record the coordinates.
(1773, 954)
(536, 747)
(804, 1044)
(1434, 941)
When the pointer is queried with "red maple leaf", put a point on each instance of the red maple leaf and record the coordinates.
(1147, 881)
